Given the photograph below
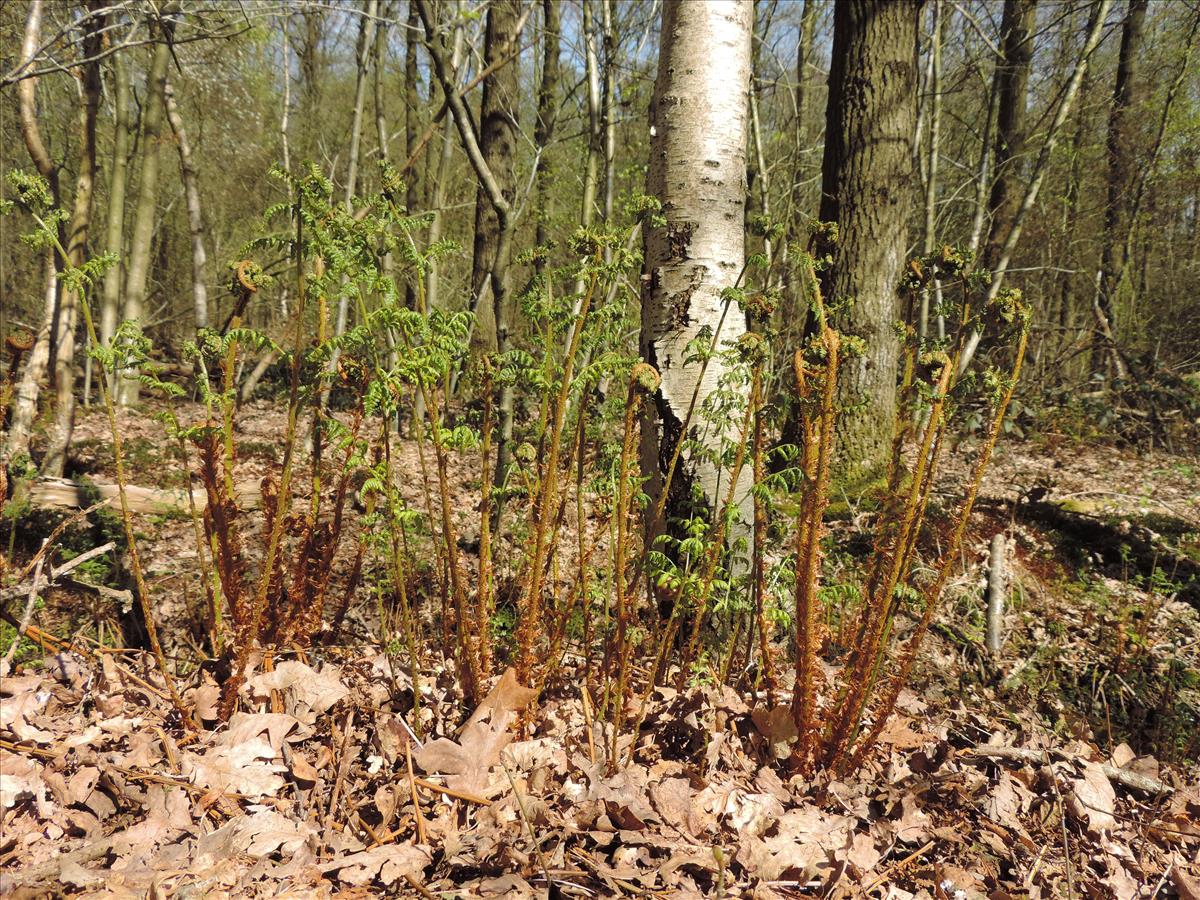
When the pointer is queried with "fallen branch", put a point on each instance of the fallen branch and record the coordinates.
(1027, 755)
(57, 573)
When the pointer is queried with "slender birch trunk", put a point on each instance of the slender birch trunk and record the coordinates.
(607, 104)
(699, 121)
(595, 132)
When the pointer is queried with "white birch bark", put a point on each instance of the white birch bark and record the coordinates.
(697, 169)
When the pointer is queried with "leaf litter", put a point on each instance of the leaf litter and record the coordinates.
(320, 787)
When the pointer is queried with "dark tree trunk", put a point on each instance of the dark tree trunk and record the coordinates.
(498, 144)
(1122, 162)
(867, 187)
(1012, 77)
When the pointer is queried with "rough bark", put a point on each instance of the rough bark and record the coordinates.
(195, 214)
(1012, 83)
(490, 184)
(498, 146)
(142, 233)
(867, 190)
(1122, 147)
(77, 238)
(699, 121)
(547, 109)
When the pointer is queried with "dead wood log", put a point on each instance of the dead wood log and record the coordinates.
(61, 493)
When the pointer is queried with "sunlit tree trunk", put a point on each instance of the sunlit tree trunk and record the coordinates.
(607, 105)
(77, 238)
(438, 196)
(25, 397)
(114, 239)
(699, 126)
(867, 187)
(929, 240)
(142, 233)
(195, 214)
(595, 128)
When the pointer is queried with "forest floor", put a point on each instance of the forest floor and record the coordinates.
(1066, 766)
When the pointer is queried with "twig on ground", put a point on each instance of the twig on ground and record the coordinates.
(27, 615)
(1132, 780)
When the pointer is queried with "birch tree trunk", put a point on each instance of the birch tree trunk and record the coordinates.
(607, 118)
(191, 188)
(595, 132)
(142, 234)
(77, 237)
(699, 120)
(867, 183)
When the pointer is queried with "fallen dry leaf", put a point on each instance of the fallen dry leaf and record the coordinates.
(1093, 799)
